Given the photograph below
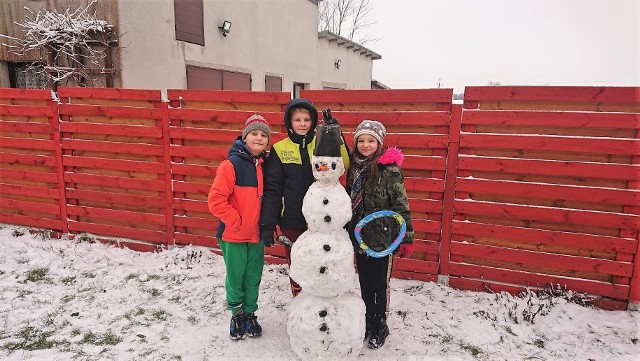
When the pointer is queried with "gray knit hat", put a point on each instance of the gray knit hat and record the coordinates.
(256, 122)
(371, 127)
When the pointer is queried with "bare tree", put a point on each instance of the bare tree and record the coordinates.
(75, 44)
(350, 19)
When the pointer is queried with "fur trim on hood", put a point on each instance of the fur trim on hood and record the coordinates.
(390, 156)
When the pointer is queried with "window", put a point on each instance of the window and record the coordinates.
(272, 83)
(297, 87)
(189, 21)
(22, 76)
(216, 79)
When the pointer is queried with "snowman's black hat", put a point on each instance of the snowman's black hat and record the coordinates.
(328, 141)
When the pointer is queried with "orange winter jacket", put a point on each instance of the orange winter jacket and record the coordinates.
(236, 194)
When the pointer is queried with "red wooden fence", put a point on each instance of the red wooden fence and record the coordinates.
(520, 187)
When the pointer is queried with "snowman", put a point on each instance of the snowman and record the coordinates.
(327, 319)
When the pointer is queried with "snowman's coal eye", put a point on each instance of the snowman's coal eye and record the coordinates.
(333, 166)
(323, 313)
(323, 269)
(323, 327)
(325, 201)
(327, 247)
(317, 166)
(327, 219)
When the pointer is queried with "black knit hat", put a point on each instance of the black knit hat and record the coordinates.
(328, 141)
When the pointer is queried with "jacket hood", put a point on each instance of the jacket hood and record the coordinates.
(300, 103)
(239, 148)
(391, 155)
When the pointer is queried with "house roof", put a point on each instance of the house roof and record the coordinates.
(326, 34)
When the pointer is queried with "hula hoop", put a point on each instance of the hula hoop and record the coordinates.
(371, 217)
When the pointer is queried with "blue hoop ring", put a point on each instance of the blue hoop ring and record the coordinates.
(371, 217)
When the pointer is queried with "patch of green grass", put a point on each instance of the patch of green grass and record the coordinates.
(155, 292)
(153, 277)
(473, 350)
(192, 319)
(24, 293)
(539, 343)
(49, 319)
(1, 272)
(510, 331)
(160, 315)
(107, 338)
(17, 233)
(131, 276)
(75, 332)
(67, 298)
(36, 274)
(88, 275)
(31, 339)
(22, 260)
(68, 281)
(175, 299)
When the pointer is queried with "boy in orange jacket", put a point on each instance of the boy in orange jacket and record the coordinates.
(235, 198)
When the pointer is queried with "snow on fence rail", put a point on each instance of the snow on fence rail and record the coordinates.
(520, 187)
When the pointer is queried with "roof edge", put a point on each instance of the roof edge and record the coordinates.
(326, 34)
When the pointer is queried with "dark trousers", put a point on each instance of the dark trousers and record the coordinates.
(292, 234)
(374, 274)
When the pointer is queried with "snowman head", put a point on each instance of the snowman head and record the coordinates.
(326, 169)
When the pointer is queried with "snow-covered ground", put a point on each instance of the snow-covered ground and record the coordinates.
(62, 300)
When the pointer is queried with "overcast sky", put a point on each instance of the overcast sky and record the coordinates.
(514, 42)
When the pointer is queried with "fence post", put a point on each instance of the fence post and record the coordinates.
(449, 191)
(54, 120)
(168, 179)
(634, 283)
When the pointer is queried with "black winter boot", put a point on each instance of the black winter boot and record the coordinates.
(379, 333)
(251, 325)
(370, 321)
(237, 327)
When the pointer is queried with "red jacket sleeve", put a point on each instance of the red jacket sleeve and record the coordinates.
(219, 195)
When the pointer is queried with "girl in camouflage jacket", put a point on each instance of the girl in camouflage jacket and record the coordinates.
(375, 183)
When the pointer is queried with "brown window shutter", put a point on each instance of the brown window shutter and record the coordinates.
(203, 78)
(272, 83)
(189, 21)
(236, 81)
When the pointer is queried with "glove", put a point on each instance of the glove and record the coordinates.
(328, 118)
(405, 250)
(266, 237)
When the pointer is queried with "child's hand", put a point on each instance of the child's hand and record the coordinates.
(328, 118)
(266, 237)
(405, 250)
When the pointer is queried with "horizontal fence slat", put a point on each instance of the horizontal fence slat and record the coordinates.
(115, 231)
(196, 222)
(194, 170)
(191, 187)
(112, 147)
(111, 129)
(544, 237)
(10, 126)
(214, 135)
(424, 184)
(110, 111)
(26, 110)
(605, 266)
(30, 176)
(549, 143)
(29, 206)
(385, 96)
(191, 205)
(20, 143)
(114, 164)
(29, 191)
(422, 118)
(556, 119)
(119, 182)
(119, 215)
(550, 167)
(553, 94)
(424, 162)
(198, 240)
(549, 191)
(27, 159)
(222, 116)
(109, 93)
(540, 281)
(115, 198)
(414, 265)
(425, 205)
(198, 152)
(53, 224)
(229, 96)
(12, 93)
(560, 215)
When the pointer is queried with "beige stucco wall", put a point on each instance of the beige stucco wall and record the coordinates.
(273, 37)
(355, 69)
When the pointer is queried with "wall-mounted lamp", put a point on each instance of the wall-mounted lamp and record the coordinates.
(337, 63)
(225, 28)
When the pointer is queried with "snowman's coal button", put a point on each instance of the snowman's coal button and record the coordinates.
(327, 219)
(323, 327)
(317, 166)
(333, 166)
(323, 313)
(325, 201)
(323, 269)
(327, 247)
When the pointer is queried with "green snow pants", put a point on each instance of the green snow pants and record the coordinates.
(244, 262)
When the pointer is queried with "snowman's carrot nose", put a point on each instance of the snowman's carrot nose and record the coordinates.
(323, 168)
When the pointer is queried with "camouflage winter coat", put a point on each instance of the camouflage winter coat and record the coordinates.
(388, 194)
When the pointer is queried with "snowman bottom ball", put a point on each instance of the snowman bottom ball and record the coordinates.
(326, 328)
